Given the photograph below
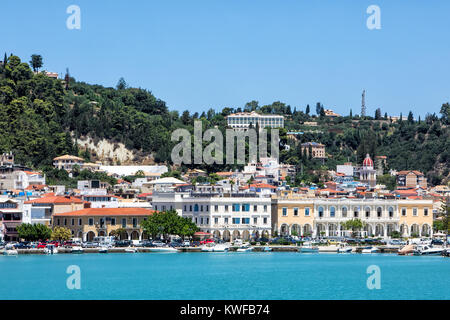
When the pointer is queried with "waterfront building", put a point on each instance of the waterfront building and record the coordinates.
(41, 210)
(227, 216)
(10, 218)
(101, 200)
(325, 216)
(95, 222)
(241, 121)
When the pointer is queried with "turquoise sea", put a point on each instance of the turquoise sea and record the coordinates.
(224, 276)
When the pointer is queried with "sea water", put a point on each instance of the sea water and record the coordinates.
(252, 275)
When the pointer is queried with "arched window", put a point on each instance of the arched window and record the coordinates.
(344, 212)
(379, 212)
(332, 212)
(320, 212)
(355, 212)
(367, 210)
(195, 207)
(391, 212)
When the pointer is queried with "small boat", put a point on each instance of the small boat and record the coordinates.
(406, 250)
(103, 249)
(162, 249)
(307, 247)
(10, 252)
(245, 249)
(343, 248)
(221, 248)
(130, 250)
(50, 249)
(77, 249)
(267, 249)
(207, 248)
(370, 250)
(428, 251)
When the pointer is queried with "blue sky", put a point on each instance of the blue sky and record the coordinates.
(202, 54)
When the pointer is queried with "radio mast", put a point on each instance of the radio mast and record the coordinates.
(363, 104)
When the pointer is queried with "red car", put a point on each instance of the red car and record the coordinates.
(41, 245)
(207, 241)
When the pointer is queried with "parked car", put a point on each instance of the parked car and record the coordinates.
(90, 245)
(122, 243)
(207, 241)
(146, 243)
(186, 243)
(158, 243)
(437, 242)
(41, 245)
(22, 245)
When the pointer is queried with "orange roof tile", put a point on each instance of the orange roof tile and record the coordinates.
(55, 200)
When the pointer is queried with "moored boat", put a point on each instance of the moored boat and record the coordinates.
(221, 248)
(406, 250)
(428, 251)
(244, 249)
(162, 249)
(130, 250)
(307, 247)
(370, 250)
(77, 249)
(344, 248)
(10, 252)
(50, 249)
(267, 249)
(103, 249)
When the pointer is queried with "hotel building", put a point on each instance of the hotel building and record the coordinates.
(241, 121)
(325, 217)
(226, 216)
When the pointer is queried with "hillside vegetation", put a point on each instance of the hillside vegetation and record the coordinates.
(42, 117)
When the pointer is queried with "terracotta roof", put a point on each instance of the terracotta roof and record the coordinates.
(68, 157)
(108, 212)
(224, 173)
(55, 200)
(143, 195)
(405, 172)
(36, 187)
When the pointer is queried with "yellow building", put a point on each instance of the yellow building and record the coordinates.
(67, 162)
(92, 222)
(326, 216)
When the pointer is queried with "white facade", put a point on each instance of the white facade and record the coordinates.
(227, 218)
(241, 121)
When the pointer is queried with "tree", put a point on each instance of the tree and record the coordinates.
(351, 113)
(445, 112)
(119, 233)
(307, 109)
(410, 117)
(36, 62)
(61, 234)
(33, 232)
(168, 223)
(378, 114)
(121, 85)
(353, 225)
